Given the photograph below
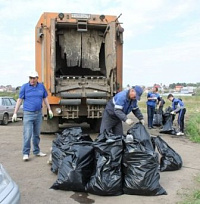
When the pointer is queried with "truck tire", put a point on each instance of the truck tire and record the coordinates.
(50, 125)
(95, 125)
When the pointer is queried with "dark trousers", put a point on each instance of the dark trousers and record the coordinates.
(111, 124)
(150, 114)
(160, 110)
(181, 117)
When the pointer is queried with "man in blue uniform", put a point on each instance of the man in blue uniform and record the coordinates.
(119, 107)
(153, 98)
(178, 107)
(33, 94)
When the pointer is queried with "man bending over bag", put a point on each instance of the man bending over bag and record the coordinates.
(119, 107)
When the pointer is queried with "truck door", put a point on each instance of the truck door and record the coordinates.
(110, 55)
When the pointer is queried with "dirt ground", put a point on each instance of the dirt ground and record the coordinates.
(35, 178)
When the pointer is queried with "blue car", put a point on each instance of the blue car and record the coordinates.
(9, 190)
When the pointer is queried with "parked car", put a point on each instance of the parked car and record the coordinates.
(7, 106)
(9, 190)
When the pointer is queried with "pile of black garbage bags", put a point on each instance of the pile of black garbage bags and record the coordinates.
(112, 164)
(165, 120)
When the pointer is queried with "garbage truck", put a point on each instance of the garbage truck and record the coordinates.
(79, 60)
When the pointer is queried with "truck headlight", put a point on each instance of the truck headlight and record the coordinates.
(58, 110)
(61, 16)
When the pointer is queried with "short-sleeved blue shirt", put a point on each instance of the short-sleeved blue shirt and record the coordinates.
(152, 102)
(33, 96)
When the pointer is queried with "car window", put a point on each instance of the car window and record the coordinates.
(6, 102)
(12, 100)
(3, 101)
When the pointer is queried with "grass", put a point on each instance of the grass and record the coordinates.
(193, 128)
(15, 95)
(194, 196)
(192, 199)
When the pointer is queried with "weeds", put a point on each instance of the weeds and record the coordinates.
(194, 197)
(193, 128)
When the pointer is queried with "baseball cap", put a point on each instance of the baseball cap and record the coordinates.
(33, 74)
(139, 91)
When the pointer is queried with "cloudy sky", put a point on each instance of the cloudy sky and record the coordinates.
(161, 37)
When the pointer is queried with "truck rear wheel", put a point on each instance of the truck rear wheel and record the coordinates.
(50, 125)
(95, 124)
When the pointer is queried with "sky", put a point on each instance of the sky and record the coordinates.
(161, 37)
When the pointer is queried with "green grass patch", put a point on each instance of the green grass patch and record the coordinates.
(194, 196)
(193, 128)
(192, 199)
(11, 94)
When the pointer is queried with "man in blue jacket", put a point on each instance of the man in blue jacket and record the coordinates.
(119, 107)
(153, 98)
(178, 107)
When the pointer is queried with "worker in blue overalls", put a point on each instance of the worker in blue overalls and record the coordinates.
(153, 99)
(178, 107)
(119, 107)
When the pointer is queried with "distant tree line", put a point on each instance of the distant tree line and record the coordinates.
(172, 86)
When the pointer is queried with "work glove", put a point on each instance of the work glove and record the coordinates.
(173, 113)
(129, 122)
(50, 114)
(142, 121)
(14, 117)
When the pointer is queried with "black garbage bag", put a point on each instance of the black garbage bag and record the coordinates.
(75, 131)
(168, 123)
(170, 160)
(68, 135)
(140, 167)
(167, 114)
(157, 118)
(58, 155)
(75, 134)
(139, 133)
(106, 179)
(140, 164)
(62, 144)
(76, 167)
